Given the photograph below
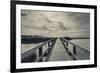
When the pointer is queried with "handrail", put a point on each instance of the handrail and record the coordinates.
(73, 53)
(33, 50)
(76, 45)
(37, 60)
(69, 51)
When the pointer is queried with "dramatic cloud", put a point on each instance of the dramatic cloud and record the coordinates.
(55, 23)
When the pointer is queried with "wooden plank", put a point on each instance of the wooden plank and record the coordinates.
(59, 53)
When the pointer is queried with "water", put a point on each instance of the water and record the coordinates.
(26, 47)
(59, 53)
(85, 43)
(81, 53)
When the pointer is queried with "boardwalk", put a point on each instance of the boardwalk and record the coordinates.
(56, 49)
(59, 53)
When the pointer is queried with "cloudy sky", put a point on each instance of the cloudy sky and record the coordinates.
(47, 23)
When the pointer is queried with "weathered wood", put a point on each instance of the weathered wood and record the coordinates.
(74, 50)
(47, 53)
(40, 53)
(30, 55)
(29, 58)
(49, 44)
(67, 43)
(77, 52)
(64, 44)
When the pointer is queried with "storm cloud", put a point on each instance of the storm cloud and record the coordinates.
(51, 23)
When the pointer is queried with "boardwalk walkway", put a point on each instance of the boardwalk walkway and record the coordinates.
(57, 49)
(59, 53)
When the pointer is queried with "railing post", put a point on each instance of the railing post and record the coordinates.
(74, 50)
(49, 47)
(63, 41)
(40, 53)
(48, 44)
(66, 44)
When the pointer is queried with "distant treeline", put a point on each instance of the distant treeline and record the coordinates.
(28, 39)
(71, 38)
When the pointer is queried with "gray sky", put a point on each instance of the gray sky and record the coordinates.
(47, 23)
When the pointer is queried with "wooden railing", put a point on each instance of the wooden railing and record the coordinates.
(76, 51)
(39, 53)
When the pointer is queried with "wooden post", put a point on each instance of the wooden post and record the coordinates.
(48, 44)
(40, 53)
(74, 50)
(63, 41)
(66, 44)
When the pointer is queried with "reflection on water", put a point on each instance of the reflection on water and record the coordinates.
(85, 43)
